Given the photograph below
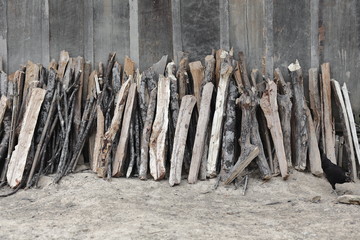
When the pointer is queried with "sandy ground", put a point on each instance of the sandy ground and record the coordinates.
(85, 207)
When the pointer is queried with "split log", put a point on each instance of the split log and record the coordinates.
(144, 159)
(201, 133)
(69, 74)
(351, 121)
(129, 68)
(159, 131)
(238, 78)
(63, 61)
(243, 70)
(121, 150)
(53, 64)
(209, 73)
(100, 126)
(177, 157)
(131, 150)
(314, 95)
(217, 67)
(19, 157)
(314, 153)
(266, 138)
(197, 73)
(85, 87)
(203, 165)
(4, 103)
(116, 78)
(78, 71)
(327, 113)
(285, 105)
(268, 104)
(182, 76)
(349, 147)
(159, 67)
(300, 128)
(216, 131)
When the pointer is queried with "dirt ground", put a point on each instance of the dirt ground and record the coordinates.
(83, 206)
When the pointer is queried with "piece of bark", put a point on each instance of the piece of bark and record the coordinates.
(91, 85)
(157, 144)
(182, 76)
(349, 147)
(314, 153)
(109, 136)
(314, 95)
(197, 73)
(268, 104)
(349, 199)
(216, 131)
(100, 126)
(19, 157)
(129, 68)
(327, 113)
(79, 69)
(86, 79)
(187, 105)
(300, 128)
(285, 106)
(145, 137)
(121, 150)
(201, 132)
(63, 61)
(351, 120)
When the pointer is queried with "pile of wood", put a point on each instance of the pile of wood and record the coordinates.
(194, 119)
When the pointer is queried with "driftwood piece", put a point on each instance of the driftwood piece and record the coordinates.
(268, 103)
(300, 127)
(216, 131)
(182, 76)
(349, 199)
(327, 113)
(285, 106)
(197, 73)
(63, 61)
(157, 143)
(144, 159)
(100, 126)
(177, 157)
(351, 120)
(314, 95)
(314, 153)
(19, 157)
(121, 150)
(349, 147)
(201, 133)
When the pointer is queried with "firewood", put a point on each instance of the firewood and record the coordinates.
(100, 121)
(121, 151)
(209, 74)
(129, 68)
(264, 131)
(351, 120)
(187, 105)
(116, 78)
(68, 78)
(216, 131)
(4, 103)
(174, 96)
(159, 130)
(19, 157)
(63, 61)
(349, 147)
(201, 133)
(217, 67)
(3, 83)
(197, 72)
(53, 64)
(300, 127)
(145, 137)
(268, 104)
(314, 95)
(86, 80)
(327, 113)
(182, 76)
(131, 150)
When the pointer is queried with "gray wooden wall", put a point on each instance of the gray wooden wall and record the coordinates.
(270, 32)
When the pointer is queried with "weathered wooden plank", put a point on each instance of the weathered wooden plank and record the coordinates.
(159, 130)
(129, 68)
(19, 156)
(177, 157)
(314, 95)
(63, 61)
(197, 72)
(100, 126)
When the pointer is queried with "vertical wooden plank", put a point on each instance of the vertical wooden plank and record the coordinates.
(45, 35)
(89, 31)
(268, 68)
(3, 35)
(314, 33)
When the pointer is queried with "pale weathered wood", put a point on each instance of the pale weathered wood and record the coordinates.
(314, 153)
(63, 61)
(349, 147)
(351, 120)
(3, 107)
(19, 156)
(158, 137)
(177, 157)
(197, 73)
(201, 132)
(3, 83)
(314, 95)
(182, 76)
(209, 74)
(121, 150)
(216, 131)
(300, 128)
(32, 74)
(100, 126)
(327, 113)
(129, 68)
(268, 103)
(217, 66)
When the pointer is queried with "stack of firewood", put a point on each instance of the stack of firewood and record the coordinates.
(170, 121)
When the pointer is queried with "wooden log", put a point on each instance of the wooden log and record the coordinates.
(19, 157)
(265, 133)
(63, 61)
(53, 64)
(314, 95)
(268, 104)
(85, 88)
(300, 128)
(216, 131)
(177, 157)
(100, 126)
(116, 78)
(349, 147)
(78, 71)
(243, 70)
(174, 96)
(238, 78)
(285, 106)
(182, 76)
(314, 153)
(4, 104)
(69, 74)
(197, 73)
(131, 150)
(351, 121)
(129, 68)
(3, 83)
(201, 133)
(121, 150)
(209, 74)
(217, 67)
(145, 137)
(157, 143)
(327, 113)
